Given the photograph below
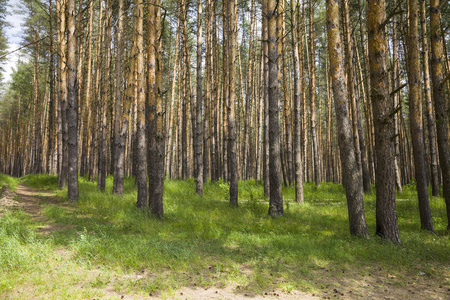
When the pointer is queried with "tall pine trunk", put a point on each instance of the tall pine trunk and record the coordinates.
(386, 215)
(276, 196)
(437, 76)
(72, 104)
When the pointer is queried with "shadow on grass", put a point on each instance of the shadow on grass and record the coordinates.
(201, 241)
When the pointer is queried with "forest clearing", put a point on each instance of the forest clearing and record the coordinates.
(104, 247)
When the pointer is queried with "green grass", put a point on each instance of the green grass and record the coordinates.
(203, 242)
(12, 182)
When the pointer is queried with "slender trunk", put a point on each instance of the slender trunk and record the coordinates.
(62, 95)
(139, 75)
(265, 56)
(435, 176)
(276, 196)
(199, 124)
(437, 76)
(155, 90)
(298, 168)
(232, 159)
(72, 104)
(51, 135)
(312, 95)
(119, 139)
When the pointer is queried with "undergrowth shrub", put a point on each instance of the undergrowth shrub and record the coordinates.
(12, 182)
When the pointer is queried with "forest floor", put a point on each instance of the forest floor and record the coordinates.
(100, 282)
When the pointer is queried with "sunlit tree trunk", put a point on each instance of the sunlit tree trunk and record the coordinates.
(298, 168)
(141, 146)
(119, 140)
(72, 103)
(62, 94)
(351, 171)
(106, 56)
(386, 215)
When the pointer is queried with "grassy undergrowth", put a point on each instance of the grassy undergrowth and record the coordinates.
(203, 242)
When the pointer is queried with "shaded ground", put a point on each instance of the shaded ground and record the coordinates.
(368, 282)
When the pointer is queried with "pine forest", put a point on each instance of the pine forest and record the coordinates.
(282, 92)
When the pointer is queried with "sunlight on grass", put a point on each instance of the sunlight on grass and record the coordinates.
(205, 242)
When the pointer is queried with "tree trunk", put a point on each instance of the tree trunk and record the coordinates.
(276, 196)
(141, 146)
(437, 76)
(199, 124)
(155, 90)
(435, 176)
(72, 103)
(62, 94)
(312, 95)
(415, 116)
(351, 171)
(386, 216)
(298, 168)
(119, 139)
(265, 56)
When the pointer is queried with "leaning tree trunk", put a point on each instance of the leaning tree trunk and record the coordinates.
(386, 215)
(437, 76)
(351, 171)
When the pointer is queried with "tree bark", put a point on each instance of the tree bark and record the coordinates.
(141, 146)
(437, 76)
(199, 124)
(155, 104)
(232, 159)
(72, 104)
(298, 167)
(276, 196)
(312, 95)
(119, 139)
(350, 169)
(386, 216)
(435, 176)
